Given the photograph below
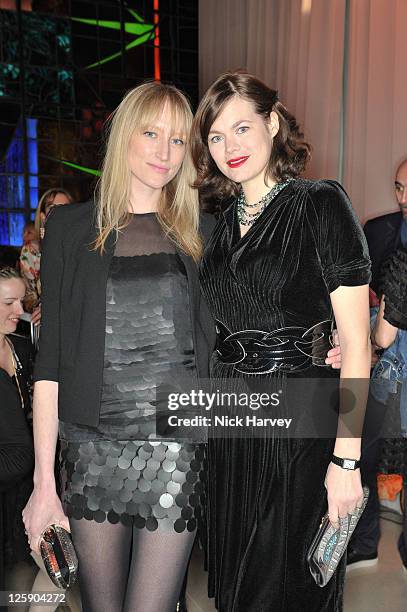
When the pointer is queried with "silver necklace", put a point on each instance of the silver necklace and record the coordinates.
(246, 218)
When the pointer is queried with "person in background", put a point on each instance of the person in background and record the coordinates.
(16, 443)
(390, 333)
(16, 447)
(384, 234)
(29, 233)
(30, 256)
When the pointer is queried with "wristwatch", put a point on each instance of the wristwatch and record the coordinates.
(346, 464)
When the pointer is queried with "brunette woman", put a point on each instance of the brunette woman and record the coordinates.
(287, 256)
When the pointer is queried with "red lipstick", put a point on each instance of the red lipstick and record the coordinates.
(237, 161)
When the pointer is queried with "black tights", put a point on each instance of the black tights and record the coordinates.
(129, 569)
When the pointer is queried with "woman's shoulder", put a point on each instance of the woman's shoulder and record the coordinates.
(70, 223)
(75, 213)
(319, 189)
(327, 199)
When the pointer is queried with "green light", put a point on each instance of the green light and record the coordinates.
(142, 30)
(131, 28)
(81, 168)
(134, 43)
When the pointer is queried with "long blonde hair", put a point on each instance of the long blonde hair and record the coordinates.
(178, 209)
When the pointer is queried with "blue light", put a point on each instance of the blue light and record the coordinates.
(3, 191)
(32, 128)
(33, 189)
(15, 156)
(16, 225)
(4, 233)
(32, 147)
(16, 192)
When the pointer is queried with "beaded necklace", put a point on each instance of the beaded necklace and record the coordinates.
(246, 218)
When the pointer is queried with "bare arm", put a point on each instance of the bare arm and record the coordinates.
(44, 506)
(384, 333)
(45, 426)
(351, 310)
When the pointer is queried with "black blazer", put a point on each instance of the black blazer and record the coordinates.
(383, 237)
(72, 338)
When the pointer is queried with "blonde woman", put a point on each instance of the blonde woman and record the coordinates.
(30, 256)
(122, 315)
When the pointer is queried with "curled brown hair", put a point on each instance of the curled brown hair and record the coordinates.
(289, 154)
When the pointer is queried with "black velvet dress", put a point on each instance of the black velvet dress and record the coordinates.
(266, 495)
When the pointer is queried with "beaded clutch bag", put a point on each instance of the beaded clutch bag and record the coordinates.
(59, 556)
(329, 544)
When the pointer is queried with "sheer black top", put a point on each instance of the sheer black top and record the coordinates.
(148, 342)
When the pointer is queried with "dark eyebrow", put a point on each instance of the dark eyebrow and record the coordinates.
(233, 126)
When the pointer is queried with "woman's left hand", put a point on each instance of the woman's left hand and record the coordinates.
(345, 492)
(334, 356)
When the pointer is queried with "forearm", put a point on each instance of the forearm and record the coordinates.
(45, 425)
(384, 333)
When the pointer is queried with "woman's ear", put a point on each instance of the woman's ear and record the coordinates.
(273, 124)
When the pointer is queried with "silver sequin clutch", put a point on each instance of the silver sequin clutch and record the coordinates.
(329, 544)
(59, 556)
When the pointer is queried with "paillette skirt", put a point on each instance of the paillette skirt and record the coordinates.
(149, 484)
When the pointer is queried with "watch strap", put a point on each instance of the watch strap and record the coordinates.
(346, 464)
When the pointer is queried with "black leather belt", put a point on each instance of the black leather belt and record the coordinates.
(290, 349)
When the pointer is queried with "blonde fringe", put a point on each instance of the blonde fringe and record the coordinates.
(178, 210)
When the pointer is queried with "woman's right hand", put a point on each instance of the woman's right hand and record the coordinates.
(43, 508)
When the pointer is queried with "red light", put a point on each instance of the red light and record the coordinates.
(157, 67)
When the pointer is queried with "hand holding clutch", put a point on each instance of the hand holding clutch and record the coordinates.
(59, 556)
(329, 544)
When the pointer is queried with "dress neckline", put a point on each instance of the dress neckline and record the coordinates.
(233, 225)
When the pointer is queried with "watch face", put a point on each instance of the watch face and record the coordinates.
(349, 464)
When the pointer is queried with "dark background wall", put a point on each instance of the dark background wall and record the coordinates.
(64, 66)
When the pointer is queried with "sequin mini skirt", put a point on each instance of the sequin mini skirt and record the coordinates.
(148, 484)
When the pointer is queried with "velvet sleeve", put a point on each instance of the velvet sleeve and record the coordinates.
(341, 243)
(52, 265)
(394, 287)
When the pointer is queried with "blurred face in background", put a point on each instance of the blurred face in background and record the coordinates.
(401, 188)
(29, 233)
(12, 292)
(59, 200)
